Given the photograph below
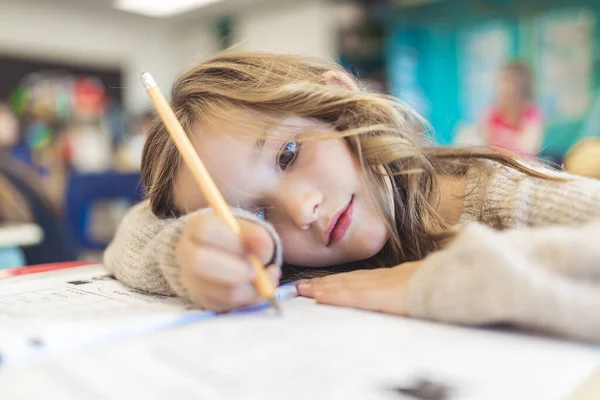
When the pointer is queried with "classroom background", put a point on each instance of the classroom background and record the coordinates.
(74, 117)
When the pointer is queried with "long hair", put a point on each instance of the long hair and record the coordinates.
(385, 135)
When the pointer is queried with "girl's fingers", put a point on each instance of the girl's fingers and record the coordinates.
(338, 296)
(381, 290)
(257, 240)
(207, 303)
(228, 298)
(221, 297)
(308, 287)
(305, 288)
(353, 279)
(209, 230)
(213, 265)
(331, 292)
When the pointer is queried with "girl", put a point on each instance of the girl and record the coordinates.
(343, 180)
(515, 123)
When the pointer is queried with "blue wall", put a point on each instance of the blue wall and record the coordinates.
(427, 58)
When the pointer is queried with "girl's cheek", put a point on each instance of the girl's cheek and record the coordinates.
(296, 251)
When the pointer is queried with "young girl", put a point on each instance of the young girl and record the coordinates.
(515, 123)
(341, 179)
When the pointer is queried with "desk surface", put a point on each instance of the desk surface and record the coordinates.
(312, 351)
(18, 235)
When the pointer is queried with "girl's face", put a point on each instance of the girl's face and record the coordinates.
(314, 193)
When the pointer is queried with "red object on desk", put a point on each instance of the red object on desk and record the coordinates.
(34, 269)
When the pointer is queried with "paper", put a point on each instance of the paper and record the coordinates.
(78, 294)
(73, 308)
(311, 351)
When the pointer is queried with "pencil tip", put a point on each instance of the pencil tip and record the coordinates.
(275, 306)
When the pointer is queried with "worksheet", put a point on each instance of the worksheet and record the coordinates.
(78, 294)
(76, 307)
(314, 352)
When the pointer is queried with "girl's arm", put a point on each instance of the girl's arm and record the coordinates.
(504, 198)
(542, 270)
(142, 253)
(540, 278)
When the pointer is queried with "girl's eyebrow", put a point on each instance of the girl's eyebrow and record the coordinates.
(260, 145)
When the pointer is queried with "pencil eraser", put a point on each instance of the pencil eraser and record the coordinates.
(147, 80)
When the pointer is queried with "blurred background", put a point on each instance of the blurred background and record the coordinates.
(519, 74)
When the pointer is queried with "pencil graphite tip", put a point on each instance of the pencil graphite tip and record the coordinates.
(148, 81)
(275, 305)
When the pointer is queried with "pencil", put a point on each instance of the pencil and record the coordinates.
(263, 284)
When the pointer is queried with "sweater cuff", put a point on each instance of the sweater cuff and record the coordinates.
(455, 285)
(165, 248)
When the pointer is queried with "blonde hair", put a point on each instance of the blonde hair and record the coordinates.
(386, 136)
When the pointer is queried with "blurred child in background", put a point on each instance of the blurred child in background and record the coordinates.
(24, 200)
(13, 208)
(515, 122)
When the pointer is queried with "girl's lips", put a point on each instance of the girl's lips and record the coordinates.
(339, 224)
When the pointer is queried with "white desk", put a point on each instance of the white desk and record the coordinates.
(311, 352)
(314, 352)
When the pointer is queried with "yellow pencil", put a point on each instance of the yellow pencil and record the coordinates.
(263, 284)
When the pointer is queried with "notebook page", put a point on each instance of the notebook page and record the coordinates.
(77, 294)
(314, 352)
(75, 307)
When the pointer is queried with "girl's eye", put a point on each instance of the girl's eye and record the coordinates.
(287, 155)
(262, 214)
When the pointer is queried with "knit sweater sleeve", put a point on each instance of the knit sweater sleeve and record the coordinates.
(142, 253)
(540, 267)
(503, 198)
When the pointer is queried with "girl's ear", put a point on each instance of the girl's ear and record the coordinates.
(339, 78)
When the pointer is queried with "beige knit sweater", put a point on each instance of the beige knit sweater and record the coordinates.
(528, 254)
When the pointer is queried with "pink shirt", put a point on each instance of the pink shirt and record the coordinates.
(508, 136)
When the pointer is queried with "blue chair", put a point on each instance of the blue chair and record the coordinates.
(84, 190)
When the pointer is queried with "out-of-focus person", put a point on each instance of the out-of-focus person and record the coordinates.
(23, 200)
(515, 122)
(13, 208)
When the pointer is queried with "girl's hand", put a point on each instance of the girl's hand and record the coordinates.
(376, 290)
(214, 262)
